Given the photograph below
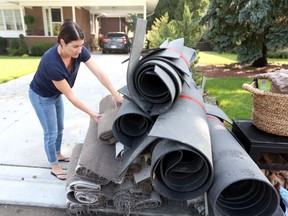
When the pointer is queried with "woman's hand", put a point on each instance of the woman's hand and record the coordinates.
(118, 99)
(96, 116)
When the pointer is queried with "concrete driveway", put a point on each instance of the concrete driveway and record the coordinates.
(24, 172)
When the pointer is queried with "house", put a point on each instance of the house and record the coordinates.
(96, 17)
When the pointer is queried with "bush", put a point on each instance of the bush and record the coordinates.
(23, 49)
(166, 29)
(13, 47)
(3, 45)
(39, 48)
(279, 54)
(17, 46)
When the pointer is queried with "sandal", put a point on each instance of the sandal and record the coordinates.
(58, 176)
(67, 159)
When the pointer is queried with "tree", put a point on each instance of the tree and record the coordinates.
(160, 31)
(195, 6)
(175, 9)
(249, 27)
(163, 7)
(186, 27)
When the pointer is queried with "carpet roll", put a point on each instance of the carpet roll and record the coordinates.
(239, 186)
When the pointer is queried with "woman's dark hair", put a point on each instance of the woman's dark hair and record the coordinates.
(70, 31)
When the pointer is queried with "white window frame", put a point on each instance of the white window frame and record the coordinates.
(4, 20)
(48, 23)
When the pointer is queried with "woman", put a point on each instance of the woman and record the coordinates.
(55, 76)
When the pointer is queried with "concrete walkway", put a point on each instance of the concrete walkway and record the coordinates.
(25, 177)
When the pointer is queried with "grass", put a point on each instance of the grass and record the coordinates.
(15, 67)
(214, 58)
(233, 100)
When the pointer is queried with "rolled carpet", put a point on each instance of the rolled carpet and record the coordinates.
(108, 109)
(80, 190)
(97, 160)
(239, 186)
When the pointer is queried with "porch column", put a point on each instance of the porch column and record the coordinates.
(144, 11)
(73, 14)
(22, 20)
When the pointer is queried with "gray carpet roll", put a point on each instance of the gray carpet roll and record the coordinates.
(131, 124)
(239, 186)
(71, 175)
(108, 109)
(156, 81)
(181, 166)
(79, 189)
(97, 160)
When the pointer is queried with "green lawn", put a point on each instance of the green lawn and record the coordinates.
(14, 67)
(233, 100)
(214, 58)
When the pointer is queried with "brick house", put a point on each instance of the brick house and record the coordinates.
(96, 17)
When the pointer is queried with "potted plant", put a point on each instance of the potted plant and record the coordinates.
(29, 20)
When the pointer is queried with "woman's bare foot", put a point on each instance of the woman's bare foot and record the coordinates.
(58, 172)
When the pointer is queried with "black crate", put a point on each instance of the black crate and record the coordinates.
(256, 141)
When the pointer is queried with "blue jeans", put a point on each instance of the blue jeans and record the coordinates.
(50, 112)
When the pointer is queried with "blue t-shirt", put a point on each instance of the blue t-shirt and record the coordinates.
(52, 67)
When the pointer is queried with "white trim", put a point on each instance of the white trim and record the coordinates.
(123, 6)
(73, 14)
(45, 24)
(111, 8)
(22, 20)
(10, 34)
(144, 12)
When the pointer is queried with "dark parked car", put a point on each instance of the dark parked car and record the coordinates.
(115, 41)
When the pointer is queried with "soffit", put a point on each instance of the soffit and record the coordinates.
(94, 6)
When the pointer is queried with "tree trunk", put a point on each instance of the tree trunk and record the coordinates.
(261, 62)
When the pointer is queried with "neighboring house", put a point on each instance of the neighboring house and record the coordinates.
(94, 16)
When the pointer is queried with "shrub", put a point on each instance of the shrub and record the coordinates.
(39, 48)
(3, 45)
(17, 46)
(13, 47)
(187, 28)
(279, 54)
(23, 49)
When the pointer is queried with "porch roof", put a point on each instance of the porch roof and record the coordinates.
(109, 7)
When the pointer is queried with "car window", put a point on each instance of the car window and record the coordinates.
(115, 35)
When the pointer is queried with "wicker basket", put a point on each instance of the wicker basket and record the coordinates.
(270, 110)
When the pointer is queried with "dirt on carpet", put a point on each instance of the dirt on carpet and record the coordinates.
(235, 70)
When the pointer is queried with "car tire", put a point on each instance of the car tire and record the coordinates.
(104, 51)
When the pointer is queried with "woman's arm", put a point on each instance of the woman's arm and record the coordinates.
(64, 87)
(103, 78)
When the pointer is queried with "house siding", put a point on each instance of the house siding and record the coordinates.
(83, 19)
(38, 28)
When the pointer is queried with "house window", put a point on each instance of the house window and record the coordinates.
(2, 23)
(56, 20)
(10, 20)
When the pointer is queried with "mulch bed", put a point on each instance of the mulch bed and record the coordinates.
(235, 70)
